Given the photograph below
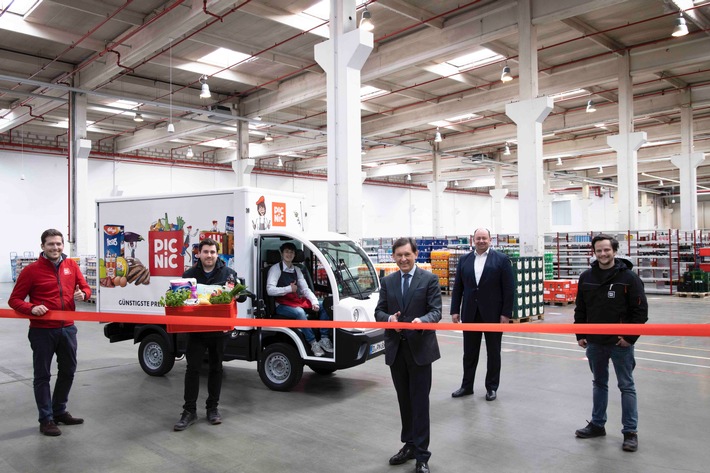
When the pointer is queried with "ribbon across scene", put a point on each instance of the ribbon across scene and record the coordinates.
(676, 330)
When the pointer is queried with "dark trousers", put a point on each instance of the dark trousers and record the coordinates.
(45, 343)
(197, 343)
(471, 352)
(413, 384)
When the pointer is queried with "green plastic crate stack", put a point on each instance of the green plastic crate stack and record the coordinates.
(528, 274)
(699, 280)
(549, 266)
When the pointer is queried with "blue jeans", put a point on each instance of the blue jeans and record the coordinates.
(298, 313)
(45, 342)
(624, 364)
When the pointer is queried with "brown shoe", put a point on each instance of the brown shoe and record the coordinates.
(50, 429)
(67, 419)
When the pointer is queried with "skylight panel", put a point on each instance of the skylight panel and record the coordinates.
(370, 92)
(23, 7)
(223, 57)
(568, 94)
(481, 57)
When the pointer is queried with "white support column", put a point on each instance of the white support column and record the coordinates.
(437, 188)
(626, 145)
(497, 196)
(687, 162)
(342, 58)
(528, 114)
(243, 164)
(584, 204)
(81, 208)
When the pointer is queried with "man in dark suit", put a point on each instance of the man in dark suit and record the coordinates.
(411, 295)
(484, 283)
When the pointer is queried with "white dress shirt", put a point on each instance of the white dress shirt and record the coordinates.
(479, 263)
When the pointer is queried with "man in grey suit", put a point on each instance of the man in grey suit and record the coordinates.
(411, 295)
(484, 283)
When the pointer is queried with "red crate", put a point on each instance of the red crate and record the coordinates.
(228, 311)
(704, 251)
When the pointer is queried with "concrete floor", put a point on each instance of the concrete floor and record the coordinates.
(349, 421)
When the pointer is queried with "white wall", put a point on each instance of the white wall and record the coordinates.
(40, 201)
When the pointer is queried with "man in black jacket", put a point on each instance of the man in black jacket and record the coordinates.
(208, 270)
(610, 293)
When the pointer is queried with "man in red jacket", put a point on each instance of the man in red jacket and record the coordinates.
(53, 282)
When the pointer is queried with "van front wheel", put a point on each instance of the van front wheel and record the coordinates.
(155, 356)
(281, 367)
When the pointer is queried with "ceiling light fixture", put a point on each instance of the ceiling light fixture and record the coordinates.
(506, 151)
(660, 182)
(409, 177)
(268, 137)
(437, 136)
(506, 76)
(205, 92)
(681, 28)
(559, 161)
(171, 127)
(456, 183)
(590, 107)
(601, 170)
(280, 163)
(189, 153)
(366, 20)
(138, 117)
(490, 169)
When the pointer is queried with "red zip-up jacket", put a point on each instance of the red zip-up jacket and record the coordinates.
(48, 285)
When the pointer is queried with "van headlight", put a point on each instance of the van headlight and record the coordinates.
(356, 315)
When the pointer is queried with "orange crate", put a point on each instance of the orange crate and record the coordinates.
(228, 311)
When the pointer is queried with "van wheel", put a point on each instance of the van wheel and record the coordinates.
(155, 356)
(281, 367)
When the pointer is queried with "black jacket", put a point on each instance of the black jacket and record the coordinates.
(610, 297)
(220, 275)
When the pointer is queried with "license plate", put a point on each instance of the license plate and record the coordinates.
(377, 347)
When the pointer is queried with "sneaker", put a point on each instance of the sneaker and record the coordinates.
(67, 419)
(50, 429)
(317, 350)
(590, 431)
(326, 344)
(213, 416)
(186, 420)
(631, 442)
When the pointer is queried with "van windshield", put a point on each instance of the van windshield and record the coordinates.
(355, 275)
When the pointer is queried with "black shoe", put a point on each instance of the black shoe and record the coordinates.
(50, 429)
(186, 420)
(491, 395)
(213, 416)
(461, 392)
(422, 467)
(406, 453)
(631, 442)
(67, 419)
(590, 431)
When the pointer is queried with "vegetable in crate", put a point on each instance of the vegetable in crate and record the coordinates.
(174, 298)
(226, 297)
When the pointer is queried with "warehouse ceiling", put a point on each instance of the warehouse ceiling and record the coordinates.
(436, 65)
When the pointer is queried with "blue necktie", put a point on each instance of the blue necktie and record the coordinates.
(405, 285)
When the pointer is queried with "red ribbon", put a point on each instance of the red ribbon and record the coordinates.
(668, 330)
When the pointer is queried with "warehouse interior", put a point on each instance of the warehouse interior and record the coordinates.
(544, 121)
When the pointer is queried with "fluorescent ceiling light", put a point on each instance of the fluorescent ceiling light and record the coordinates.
(440, 123)
(462, 118)
(311, 18)
(483, 182)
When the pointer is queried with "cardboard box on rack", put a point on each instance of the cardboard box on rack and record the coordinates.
(228, 311)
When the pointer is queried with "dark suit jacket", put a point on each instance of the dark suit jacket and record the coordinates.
(423, 301)
(494, 294)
